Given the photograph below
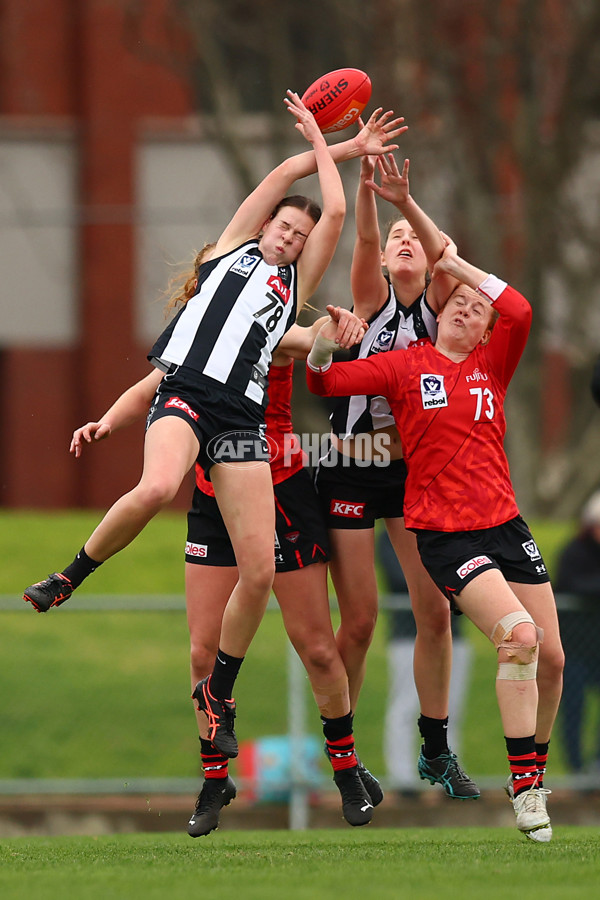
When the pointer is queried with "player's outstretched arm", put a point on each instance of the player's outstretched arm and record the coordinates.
(373, 139)
(131, 405)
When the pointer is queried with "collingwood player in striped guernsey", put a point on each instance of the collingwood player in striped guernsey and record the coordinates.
(400, 308)
(212, 363)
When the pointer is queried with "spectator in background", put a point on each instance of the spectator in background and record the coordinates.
(579, 575)
(399, 738)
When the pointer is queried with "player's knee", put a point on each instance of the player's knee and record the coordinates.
(157, 494)
(257, 577)
(318, 655)
(202, 659)
(359, 629)
(517, 638)
(551, 663)
(434, 624)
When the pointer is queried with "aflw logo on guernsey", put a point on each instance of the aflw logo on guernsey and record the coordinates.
(433, 392)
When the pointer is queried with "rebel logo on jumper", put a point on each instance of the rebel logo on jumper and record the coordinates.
(433, 392)
(476, 563)
(350, 510)
(245, 265)
(178, 403)
(383, 341)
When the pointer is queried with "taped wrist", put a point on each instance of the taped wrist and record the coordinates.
(320, 355)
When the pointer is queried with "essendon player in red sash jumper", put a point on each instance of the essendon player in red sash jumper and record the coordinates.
(300, 585)
(447, 401)
(211, 380)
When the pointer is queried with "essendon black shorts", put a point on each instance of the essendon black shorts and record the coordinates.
(229, 426)
(353, 495)
(454, 558)
(300, 533)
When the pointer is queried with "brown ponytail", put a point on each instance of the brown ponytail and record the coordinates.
(183, 286)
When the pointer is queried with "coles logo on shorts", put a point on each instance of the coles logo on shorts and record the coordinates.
(473, 564)
(349, 510)
(196, 549)
(181, 404)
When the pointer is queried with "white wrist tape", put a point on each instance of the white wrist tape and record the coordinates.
(491, 288)
(320, 355)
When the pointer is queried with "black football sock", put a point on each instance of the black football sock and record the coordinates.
(80, 568)
(435, 736)
(224, 674)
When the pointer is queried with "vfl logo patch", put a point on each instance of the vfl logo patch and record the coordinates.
(244, 265)
(279, 288)
(473, 564)
(531, 549)
(292, 536)
(177, 403)
(350, 510)
(383, 341)
(433, 392)
(196, 549)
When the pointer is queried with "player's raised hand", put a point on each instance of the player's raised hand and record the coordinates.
(394, 185)
(373, 138)
(306, 123)
(345, 328)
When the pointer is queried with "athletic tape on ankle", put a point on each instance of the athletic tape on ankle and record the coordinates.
(332, 698)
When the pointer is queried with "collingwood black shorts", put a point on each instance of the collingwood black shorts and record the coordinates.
(353, 495)
(230, 428)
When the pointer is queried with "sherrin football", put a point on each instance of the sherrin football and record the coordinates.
(337, 99)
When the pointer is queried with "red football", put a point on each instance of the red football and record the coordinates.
(337, 99)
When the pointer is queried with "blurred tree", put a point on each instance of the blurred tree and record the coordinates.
(503, 99)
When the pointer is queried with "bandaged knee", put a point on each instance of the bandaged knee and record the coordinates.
(522, 658)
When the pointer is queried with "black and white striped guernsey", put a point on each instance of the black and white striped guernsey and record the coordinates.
(228, 330)
(393, 327)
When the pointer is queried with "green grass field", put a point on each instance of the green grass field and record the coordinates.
(107, 693)
(417, 864)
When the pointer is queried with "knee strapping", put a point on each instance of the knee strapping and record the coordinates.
(522, 658)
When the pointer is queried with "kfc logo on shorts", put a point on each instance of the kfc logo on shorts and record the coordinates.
(473, 564)
(200, 550)
(177, 403)
(433, 392)
(349, 510)
(531, 549)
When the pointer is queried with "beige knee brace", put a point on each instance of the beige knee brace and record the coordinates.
(522, 658)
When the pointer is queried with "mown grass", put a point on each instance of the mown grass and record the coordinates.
(420, 864)
(106, 694)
